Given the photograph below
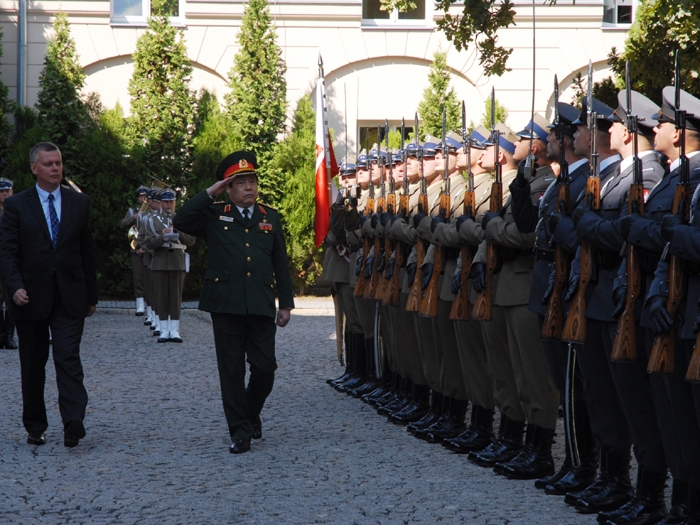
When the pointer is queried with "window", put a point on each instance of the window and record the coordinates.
(136, 12)
(618, 12)
(372, 15)
(368, 135)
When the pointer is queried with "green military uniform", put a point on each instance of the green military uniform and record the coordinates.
(247, 257)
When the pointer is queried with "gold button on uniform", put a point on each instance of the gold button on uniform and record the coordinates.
(248, 274)
(246, 230)
(247, 245)
(216, 280)
(225, 227)
(248, 259)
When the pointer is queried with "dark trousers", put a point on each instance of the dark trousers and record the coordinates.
(633, 385)
(66, 333)
(241, 338)
(137, 268)
(608, 420)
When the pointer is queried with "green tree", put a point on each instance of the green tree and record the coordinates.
(477, 24)
(501, 114)
(61, 111)
(605, 91)
(6, 106)
(257, 103)
(660, 28)
(437, 95)
(162, 105)
(295, 160)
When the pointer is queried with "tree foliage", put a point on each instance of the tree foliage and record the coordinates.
(478, 24)
(660, 28)
(438, 95)
(257, 103)
(61, 111)
(6, 107)
(295, 161)
(162, 105)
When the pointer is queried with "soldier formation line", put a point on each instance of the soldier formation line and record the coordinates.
(521, 272)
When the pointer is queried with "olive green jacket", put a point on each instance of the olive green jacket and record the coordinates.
(246, 258)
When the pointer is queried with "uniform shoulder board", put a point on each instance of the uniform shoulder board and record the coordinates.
(218, 202)
(267, 206)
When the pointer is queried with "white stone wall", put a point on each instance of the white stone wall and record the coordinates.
(373, 73)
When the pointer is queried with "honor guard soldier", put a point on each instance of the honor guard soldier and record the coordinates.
(336, 270)
(672, 394)
(531, 217)
(130, 223)
(153, 209)
(247, 258)
(168, 266)
(603, 230)
(7, 323)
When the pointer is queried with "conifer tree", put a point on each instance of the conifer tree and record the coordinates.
(5, 107)
(62, 113)
(257, 103)
(295, 161)
(162, 105)
(437, 95)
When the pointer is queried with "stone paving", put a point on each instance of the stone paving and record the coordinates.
(156, 450)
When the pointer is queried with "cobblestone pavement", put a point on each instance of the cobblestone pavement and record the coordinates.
(156, 449)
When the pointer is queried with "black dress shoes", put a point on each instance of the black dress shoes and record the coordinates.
(36, 438)
(257, 430)
(73, 433)
(239, 446)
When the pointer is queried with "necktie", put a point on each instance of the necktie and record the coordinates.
(246, 212)
(53, 218)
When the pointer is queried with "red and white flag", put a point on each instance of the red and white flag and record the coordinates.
(326, 167)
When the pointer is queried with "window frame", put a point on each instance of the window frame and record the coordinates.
(395, 22)
(142, 20)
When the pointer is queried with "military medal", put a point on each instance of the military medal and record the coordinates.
(224, 218)
(265, 226)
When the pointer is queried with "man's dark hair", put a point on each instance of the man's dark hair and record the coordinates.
(41, 146)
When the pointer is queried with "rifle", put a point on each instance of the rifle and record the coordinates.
(625, 345)
(460, 305)
(554, 318)
(575, 327)
(432, 292)
(371, 290)
(415, 294)
(383, 288)
(393, 296)
(369, 209)
(482, 304)
(663, 358)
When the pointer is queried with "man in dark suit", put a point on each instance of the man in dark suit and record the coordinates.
(247, 256)
(47, 262)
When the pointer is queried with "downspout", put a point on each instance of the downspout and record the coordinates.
(22, 53)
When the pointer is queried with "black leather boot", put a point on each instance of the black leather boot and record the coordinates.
(614, 492)
(422, 433)
(572, 498)
(435, 412)
(454, 425)
(416, 409)
(505, 447)
(360, 366)
(680, 510)
(534, 460)
(647, 507)
(403, 398)
(388, 389)
(353, 354)
(478, 436)
(373, 380)
(577, 479)
(347, 372)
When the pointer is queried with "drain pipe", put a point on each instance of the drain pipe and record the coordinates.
(22, 53)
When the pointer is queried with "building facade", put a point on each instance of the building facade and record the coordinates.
(376, 63)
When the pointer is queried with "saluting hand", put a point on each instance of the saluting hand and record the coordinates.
(219, 187)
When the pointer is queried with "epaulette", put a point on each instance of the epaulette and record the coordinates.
(218, 202)
(267, 206)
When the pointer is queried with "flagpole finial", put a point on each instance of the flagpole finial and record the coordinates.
(320, 65)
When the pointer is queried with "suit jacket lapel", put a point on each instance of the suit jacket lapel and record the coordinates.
(36, 207)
